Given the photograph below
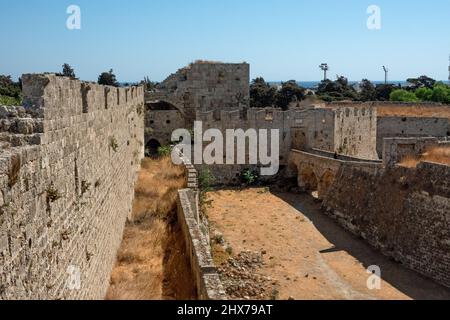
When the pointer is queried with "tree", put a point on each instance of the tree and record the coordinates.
(261, 94)
(421, 82)
(424, 94)
(290, 91)
(9, 88)
(403, 96)
(108, 79)
(441, 93)
(383, 91)
(10, 91)
(68, 71)
(368, 91)
(337, 90)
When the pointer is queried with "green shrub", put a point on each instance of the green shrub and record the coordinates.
(205, 180)
(424, 94)
(164, 151)
(441, 93)
(10, 101)
(249, 177)
(403, 96)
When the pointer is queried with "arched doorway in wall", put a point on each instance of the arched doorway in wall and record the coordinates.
(325, 183)
(307, 181)
(151, 148)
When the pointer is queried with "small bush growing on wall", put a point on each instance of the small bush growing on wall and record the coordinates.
(249, 177)
(205, 180)
(164, 151)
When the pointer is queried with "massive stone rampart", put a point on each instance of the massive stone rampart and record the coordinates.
(68, 162)
(403, 212)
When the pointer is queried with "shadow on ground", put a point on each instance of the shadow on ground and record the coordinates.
(407, 281)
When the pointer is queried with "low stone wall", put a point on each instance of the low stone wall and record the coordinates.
(403, 212)
(195, 230)
(208, 283)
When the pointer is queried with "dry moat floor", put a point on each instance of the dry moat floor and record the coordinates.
(305, 254)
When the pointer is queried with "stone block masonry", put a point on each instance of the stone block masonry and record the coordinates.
(68, 163)
(195, 228)
(394, 127)
(403, 212)
(203, 86)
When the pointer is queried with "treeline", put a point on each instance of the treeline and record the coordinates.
(10, 91)
(262, 94)
(425, 89)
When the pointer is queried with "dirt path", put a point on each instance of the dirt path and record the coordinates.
(307, 254)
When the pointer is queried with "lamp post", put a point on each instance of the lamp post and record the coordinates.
(325, 68)
(386, 71)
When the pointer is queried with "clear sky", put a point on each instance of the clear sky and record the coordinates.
(281, 39)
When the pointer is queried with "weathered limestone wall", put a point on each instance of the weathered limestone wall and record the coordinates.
(256, 119)
(195, 228)
(160, 125)
(314, 128)
(397, 149)
(204, 86)
(355, 132)
(65, 197)
(390, 127)
(350, 132)
(403, 212)
(317, 170)
(208, 283)
(347, 131)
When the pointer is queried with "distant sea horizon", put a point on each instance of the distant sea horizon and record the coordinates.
(314, 84)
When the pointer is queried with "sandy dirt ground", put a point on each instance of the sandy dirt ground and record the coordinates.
(307, 254)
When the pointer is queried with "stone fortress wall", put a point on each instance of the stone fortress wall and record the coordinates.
(397, 127)
(219, 96)
(402, 212)
(68, 162)
(203, 86)
(404, 119)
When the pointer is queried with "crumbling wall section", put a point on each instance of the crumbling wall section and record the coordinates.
(65, 196)
(205, 86)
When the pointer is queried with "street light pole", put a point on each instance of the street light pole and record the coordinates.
(386, 70)
(325, 68)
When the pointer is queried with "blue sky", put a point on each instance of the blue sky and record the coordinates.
(281, 39)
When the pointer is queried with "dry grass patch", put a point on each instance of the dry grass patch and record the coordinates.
(438, 155)
(152, 251)
(434, 154)
(414, 111)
